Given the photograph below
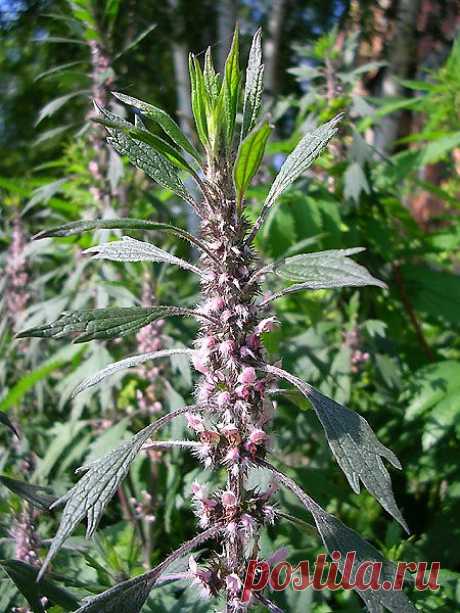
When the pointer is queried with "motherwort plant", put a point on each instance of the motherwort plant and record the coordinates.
(230, 418)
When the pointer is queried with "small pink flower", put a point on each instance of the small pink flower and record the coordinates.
(266, 325)
(279, 555)
(269, 514)
(257, 437)
(199, 491)
(233, 455)
(243, 391)
(217, 304)
(228, 499)
(248, 376)
(223, 399)
(205, 390)
(194, 422)
(247, 524)
(231, 531)
(226, 315)
(208, 342)
(199, 361)
(227, 348)
(260, 387)
(233, 583)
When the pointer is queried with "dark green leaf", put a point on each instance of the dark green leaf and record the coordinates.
(5, 420)
(35, 494)
(168, 124)
(230, 90)
(107, 323)
(24, 577)
(353, 443)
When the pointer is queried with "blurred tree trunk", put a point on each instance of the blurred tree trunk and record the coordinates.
(227, 11)
(401, 56)
(272, 46)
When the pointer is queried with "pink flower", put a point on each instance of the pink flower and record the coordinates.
(233, 583)
(223, 399)
(227, 348)
(243, 391)
(209, 437)
(199, 491)
(247, 524)
(233, 455)
(257, 437)
(199, 361)
(208, 342)
(245, 352)
(247, 376)
(217, 304)
(194, 422)
(229, 499)
(266, 325)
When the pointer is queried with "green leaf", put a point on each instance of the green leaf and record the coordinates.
(200, 99)
(52, 107)
(130, 596)
(5, 420)
(353, 443)
(135, 41)
(211, 79)
(131, 250)
(254, 86)
(153, 163)
(35, 494)
(168, 125)
(108, 323)
(355, 182)
(325, 269)
(94, 490)
(128, 223)
(438, 149)
(24, 577)
(27, 382)
(126, 363)
(230, 90)
(338, 537)
(304, 154)
(249, 157)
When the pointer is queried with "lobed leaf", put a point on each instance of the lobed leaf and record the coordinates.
(131, 250)
(126, 363)
(91, 494)
(355, 447)
(254, 86)
(104, 324)
(338, 537)
(304, 154)
(168, 125)
(35, 494)
(250, 154)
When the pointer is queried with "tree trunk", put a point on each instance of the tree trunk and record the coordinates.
(227, 11)
(272, 46)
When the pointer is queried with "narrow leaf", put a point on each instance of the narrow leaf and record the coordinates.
(166, 122)
(126, 363)
(200, 99)
(153, 163)
(230, 90)
(353, 443)
(254, 86)
(5, 420)
(305, 153)
(91, 494)
(35, 494)
(131, 250)
(211, 79)
(249, 157)
(107, 323)
(54, 105)
(338, 537)
(24, 577)
(130, 596)
(128, 223)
